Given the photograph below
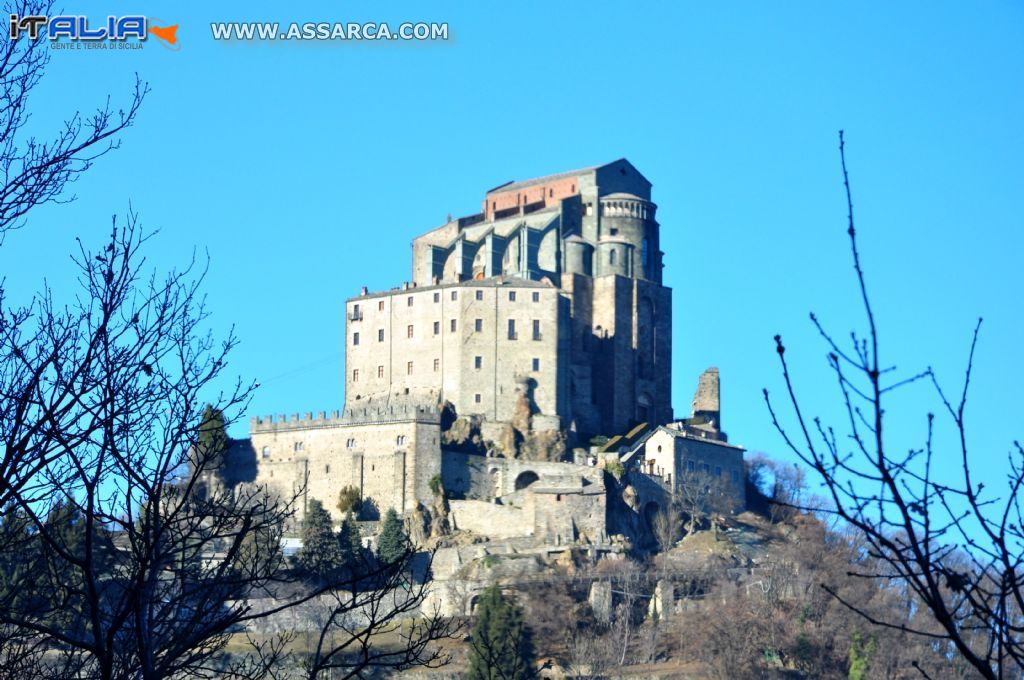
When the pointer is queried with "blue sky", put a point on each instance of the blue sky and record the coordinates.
(304, 170)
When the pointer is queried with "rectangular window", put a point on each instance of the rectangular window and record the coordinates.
(511, 296)
(453, 325)
(355, 338)
(408, 331)
(327, 469)
(536, 329)
(380, 371)
(511, 329)
(437, 365)
(479, 295)
(689, 466)
(380, 306)
(705, 468)
(476, 398)
(355, 311)
(478, 363)
(478, 325)
(455, 295)
(536, 364)
(355, 375)
(735, 476)
(718, 471)
(408, 368)
(536, 297)
(437, 328)
(437, 297)
(380, 335)
(408, 301)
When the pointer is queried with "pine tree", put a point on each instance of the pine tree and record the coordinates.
(350, 540)
(502, 648)
(213, 439)
(320, 554)
(393, 542)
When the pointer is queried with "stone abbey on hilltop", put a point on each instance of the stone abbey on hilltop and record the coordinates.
(526, 330)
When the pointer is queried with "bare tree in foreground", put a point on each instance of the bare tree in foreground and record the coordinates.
(957, 549)
(34, 171)
(115, 564)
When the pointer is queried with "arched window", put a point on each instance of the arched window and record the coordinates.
(400, 440)
(611, 257)
(266, 452)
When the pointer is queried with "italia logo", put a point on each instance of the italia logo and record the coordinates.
(78, 28)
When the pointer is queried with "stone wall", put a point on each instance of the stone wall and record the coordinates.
(482, 478)
(390, 460)
(454, 343)
(490, 519)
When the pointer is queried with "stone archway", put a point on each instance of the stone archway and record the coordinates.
(525, 479)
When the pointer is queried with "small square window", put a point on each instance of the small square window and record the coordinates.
(380, 306)
(408, 301)
(536, 364)
(454, 324)
(536, 296)
(355, 338)
(479, 295)
(478, 363)
(478, 325)
(511, 296)
(380, 335)
(476, 398)
(437, 297)
(408, 368)
(408, 331)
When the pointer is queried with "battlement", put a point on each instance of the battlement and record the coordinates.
(391, 413)
(359, 415)
(282, 422)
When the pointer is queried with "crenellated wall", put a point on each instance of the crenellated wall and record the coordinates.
(390, 457)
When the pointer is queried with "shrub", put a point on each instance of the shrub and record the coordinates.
(349, 500)
(435, 485)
